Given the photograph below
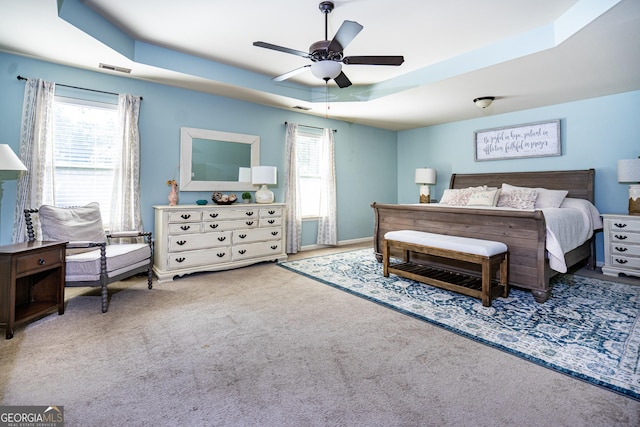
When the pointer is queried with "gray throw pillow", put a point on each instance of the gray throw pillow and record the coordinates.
(83, 223)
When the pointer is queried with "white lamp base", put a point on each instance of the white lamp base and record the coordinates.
(425, 197)
(634, 200)
(264, 195)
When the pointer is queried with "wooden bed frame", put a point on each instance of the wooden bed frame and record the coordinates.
(524, 232)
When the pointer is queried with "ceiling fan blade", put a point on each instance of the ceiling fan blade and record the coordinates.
(281, 49)
(346, 33)
(374, 60)
(342, 80)
(290, 74)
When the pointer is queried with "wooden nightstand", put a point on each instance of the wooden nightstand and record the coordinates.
(621, 245)
(31, 281)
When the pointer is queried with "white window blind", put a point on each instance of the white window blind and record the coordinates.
(309, 152)
(86, 150)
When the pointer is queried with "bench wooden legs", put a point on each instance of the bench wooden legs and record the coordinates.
(482, 287)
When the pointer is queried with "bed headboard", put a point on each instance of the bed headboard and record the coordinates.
(579, 183)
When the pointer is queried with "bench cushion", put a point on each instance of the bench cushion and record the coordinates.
(454, 243)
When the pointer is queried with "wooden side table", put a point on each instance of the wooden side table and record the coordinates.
(32, 276)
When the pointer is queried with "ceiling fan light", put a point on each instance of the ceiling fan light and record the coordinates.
(484, 101)
(326, 69)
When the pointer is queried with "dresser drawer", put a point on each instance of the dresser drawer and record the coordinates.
(622, 261)
(256, 235)
(624, 249)
(188, 242)
(195, 258)
(210, 226)
(624, 237)
(617, 224)
(185, 228)
(271, 212)
(38, 260)
(230, 214)
(185, 216)
(270, 222)
(254, 250)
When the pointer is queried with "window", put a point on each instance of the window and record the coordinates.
(309, 152)
(85, 152)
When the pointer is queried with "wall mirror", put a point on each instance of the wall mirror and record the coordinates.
(211, 160)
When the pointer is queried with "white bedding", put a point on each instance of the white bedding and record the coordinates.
(568, 227)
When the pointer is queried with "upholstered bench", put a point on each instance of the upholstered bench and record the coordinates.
(489, 255)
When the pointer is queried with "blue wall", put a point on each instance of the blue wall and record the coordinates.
(365, 156)
(595, 133)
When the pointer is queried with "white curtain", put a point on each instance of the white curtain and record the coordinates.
(327, 223)
(125, 197)
(36, 186)
(291, 194)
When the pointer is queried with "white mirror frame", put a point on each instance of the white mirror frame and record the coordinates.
(186, 149)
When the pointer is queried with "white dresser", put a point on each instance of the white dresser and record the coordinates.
(192, 238)
(621, 245)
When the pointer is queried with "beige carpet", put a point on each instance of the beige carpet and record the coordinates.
(262, 346)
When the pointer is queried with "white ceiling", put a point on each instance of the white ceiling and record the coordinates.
(526, 53)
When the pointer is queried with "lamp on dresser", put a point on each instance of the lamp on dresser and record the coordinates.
(425, 177)
(9, 162)
(629, 172)
(263, 176)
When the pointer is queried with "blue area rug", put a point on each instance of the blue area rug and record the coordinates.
(588, 329)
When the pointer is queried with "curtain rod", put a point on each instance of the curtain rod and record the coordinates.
(81, 88)
(312, 127)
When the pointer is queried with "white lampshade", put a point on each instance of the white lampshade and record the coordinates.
(629, 170)
(264, 175)
(9, 161)
(244, 175)
(425, 176)
(326, 69)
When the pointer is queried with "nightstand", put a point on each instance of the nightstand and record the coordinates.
(621, 245)
(31, 281)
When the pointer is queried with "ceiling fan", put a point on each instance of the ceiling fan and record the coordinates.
(327, 55)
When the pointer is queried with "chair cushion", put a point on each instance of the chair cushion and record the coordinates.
(120, 258)
(83, 223)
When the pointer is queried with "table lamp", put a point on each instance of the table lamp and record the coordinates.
(425, 177)
(629, 171)
(8, 162)
(264, 175)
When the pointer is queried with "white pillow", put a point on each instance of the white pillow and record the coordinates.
(518, 199)
(458, 196)
(484, 198)
(77, 224)
(546, 198)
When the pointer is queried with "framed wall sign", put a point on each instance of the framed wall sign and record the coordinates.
(540, 139)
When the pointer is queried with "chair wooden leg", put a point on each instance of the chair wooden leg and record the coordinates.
(149, 277)
(105, 298)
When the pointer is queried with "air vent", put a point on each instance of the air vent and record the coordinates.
(115, 68)
(300, 107)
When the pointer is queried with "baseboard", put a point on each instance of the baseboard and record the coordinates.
(340, 243)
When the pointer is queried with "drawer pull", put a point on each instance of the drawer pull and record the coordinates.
(249, 222)
(271, 221)
(180, 259)
(181, 242)
(222, 239)
(185, 227)
(272, 212)
(622, 237)
(220, 254)
(41, 261)
(621, 261)
(242, 236)
(242, 251)
(274, 247)
(213, 225)
(274, 233)
(621, 249)
(620, 225)
(185, 216)
(249, 213)
(213, 215)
